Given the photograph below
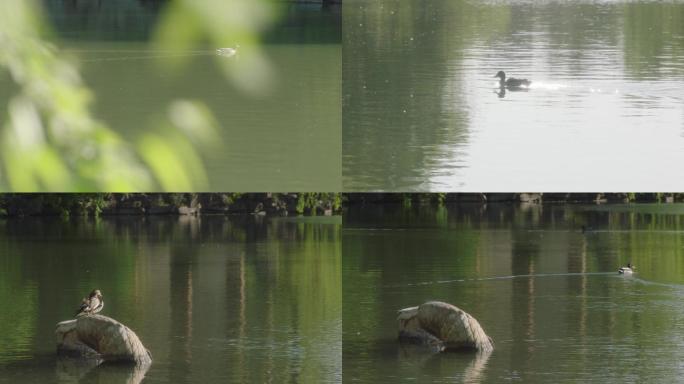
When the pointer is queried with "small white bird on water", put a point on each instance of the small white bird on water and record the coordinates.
(628, 270)
(227, 52)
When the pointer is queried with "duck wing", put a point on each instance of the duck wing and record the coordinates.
(83, 308)
(96, 305)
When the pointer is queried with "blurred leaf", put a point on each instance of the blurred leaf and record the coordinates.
(174, 162)
(221, 24)
(51, 142)
(196, 121)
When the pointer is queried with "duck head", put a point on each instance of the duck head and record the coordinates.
(501, 75)
(95, 293)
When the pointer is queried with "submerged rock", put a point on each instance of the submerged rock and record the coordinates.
(442, 326)
(102, 338)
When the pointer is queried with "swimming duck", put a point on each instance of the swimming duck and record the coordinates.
(228, 52)
(628, 270)
(91, 304)
(511, 82)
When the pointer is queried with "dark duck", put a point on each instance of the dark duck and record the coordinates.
(91, 304)
(511, 83)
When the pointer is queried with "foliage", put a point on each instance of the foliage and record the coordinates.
(94, 204)
(306, 201)
(51, 141)
(229, 198)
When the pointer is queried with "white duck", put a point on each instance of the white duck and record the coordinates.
(227, 52)
(628, 270)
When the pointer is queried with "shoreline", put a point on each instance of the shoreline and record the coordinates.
(169, 204)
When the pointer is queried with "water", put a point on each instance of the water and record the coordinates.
(548, 295)
(289, 138)
(214, 299)
(287, 135)
(422, 111)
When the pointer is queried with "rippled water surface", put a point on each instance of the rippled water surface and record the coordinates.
(422, 110)
(213, 299)
(548, 294)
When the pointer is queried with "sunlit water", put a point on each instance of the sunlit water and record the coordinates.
(422, 110)
(548, 294)
(213, 299)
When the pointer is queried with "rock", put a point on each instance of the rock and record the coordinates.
(183, 210)
(102, 338)
(530, 198)
(442, 326)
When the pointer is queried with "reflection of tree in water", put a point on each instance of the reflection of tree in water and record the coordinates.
(652, 38)
(109, 20)
(253, 300)
(397, 78)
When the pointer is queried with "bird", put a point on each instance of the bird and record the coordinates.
(91, 304)
(511, 83)
(628, 270)
(227, 52)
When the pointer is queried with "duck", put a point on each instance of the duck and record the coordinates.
(91, 304)
(511, 82)
(228, 52)
(628, 270)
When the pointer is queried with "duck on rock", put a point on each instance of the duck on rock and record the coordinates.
(511, 83)
(91, 304)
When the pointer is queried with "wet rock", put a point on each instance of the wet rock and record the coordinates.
(189, 210)
(101, 338)
(530, 197)
(442, 326)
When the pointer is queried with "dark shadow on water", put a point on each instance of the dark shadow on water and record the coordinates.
(92, 370)
(466, 364)
(422, 362)
(69, 369)
(55, 368)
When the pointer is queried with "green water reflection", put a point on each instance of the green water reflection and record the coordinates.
(548, 294)
(214, 298)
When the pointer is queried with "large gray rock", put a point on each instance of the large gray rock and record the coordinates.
(443, 327)
(100, 337)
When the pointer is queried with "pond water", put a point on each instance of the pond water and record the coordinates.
(286, 135)
(548, 294)
(214, 299)
(423, 112)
